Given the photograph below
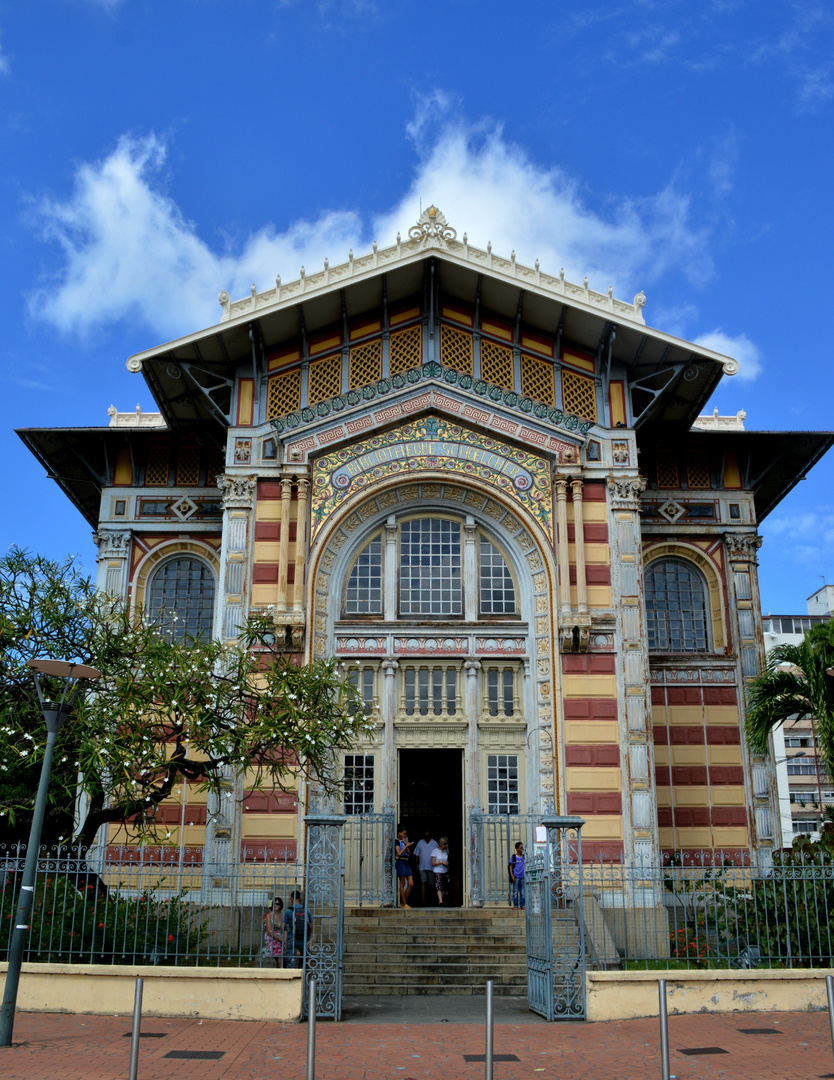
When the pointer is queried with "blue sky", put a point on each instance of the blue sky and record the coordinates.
(153, 154)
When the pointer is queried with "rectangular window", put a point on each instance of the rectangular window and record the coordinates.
(500, 692)
(359, 783)
(431, 580)
(502, 784)
(431, 691)
(362, 680)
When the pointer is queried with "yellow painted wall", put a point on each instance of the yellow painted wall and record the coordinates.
(589, 686)
(599, 731)
(580, 778)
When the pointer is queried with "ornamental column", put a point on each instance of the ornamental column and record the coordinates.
(238, 495)
(284, 542)
(300, 547)
(389, 751)
(113, 561)
(579, 547)
(562, 547)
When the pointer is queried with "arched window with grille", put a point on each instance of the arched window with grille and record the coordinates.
(181, 598)
(677, 615)
(363, 595)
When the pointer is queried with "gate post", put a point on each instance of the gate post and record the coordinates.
(476, 865)
(325, 888)
(564, 851)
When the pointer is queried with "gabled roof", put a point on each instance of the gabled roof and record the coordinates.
(670, 379)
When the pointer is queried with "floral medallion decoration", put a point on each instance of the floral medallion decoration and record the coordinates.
(432, 444)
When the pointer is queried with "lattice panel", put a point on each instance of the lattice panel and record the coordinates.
(324, 379)
(283, 394)
(697, 471)
(157, 471)
(365, 364)
(497, 364)
(215, 467)
(667, 469)
(456, 349)
(579, 395)
(405, 350)
(537, 380)
(188, 466)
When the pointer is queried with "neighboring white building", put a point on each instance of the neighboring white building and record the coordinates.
(803, 783)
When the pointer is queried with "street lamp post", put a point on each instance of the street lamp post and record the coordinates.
(54, 715)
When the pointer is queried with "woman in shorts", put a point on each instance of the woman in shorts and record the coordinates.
(440, 862)
(402, 855)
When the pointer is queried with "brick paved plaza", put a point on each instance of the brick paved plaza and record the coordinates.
(64, 1047)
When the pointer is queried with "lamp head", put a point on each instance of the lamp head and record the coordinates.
(55, 714)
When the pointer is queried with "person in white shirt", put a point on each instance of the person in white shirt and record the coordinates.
(422, 853)
(440, 862)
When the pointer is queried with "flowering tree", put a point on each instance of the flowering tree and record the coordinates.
(164, 710)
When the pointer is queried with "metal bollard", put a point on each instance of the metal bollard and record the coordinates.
(489, 1023)
(311, 1029)
(137, 1024)
(829, 990)
(664, 1030)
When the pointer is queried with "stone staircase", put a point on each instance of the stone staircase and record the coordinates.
(426, 951)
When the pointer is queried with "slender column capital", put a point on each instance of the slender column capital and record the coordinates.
(389, 666)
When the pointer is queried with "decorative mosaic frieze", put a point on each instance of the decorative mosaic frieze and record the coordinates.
(676, 676)
(359, 645)
(433, 443)
(430, 646)
(509, 399)
(500, 646)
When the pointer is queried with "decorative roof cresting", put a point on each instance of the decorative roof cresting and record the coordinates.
(431, 231)
(432, 227)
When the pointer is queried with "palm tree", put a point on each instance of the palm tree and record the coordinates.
(796, 686)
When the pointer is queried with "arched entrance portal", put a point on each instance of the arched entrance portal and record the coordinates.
(438, 598)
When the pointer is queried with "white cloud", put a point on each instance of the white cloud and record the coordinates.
(130, 253)
(808, 537)
(739, 347)
(4, 60)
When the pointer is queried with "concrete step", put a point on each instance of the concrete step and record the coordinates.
(405, 990)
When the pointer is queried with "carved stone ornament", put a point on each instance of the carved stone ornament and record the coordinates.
(625, 491)
(112, 543)
(432, 228)
(743, 545)
(237, 491)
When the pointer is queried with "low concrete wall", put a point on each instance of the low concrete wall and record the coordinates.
(626, 995)
(208, 993)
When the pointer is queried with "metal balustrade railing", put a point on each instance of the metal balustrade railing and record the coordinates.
(143, 905)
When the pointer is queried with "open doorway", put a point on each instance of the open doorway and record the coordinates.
(431, 797)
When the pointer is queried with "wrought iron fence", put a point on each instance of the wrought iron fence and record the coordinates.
(492, 840)
(370, 875)
(717, 911)
(138, 905)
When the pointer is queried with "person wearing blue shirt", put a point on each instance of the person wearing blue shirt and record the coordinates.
(516, 869)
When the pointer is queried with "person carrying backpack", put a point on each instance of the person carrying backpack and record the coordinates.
(295, 919)
(515, 868)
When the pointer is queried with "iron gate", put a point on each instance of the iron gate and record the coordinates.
(325, 902)
(492, 840)
(555, 923)
(370, 874)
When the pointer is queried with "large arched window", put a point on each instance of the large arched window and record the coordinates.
(676, 607)
(181, 598)
(429, 567)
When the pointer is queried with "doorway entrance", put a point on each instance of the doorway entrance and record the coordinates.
(431, 797)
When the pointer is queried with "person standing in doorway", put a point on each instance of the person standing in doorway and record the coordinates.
(516, 870)
(440, 865)
(402, 855)
(422, 853)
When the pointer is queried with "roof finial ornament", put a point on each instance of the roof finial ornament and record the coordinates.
(432, 229)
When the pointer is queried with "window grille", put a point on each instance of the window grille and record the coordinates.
(158, 470)
(359, 784)
(676, 607)
(500, 687)
(456, 349)
(365, 364)
(497, 592)
(430, 568)
(188, 466)
(215, 466)
(537, 380)
(697, 471)
(497, 364)
(364, 589)
(181, 599)
(667, 470)
(579, 395)
(324, 379)
(502, 784)
(405, 350)
(283, 394)
(430, 691)
(362, 680)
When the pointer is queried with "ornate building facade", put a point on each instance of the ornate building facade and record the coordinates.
(487, 490)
